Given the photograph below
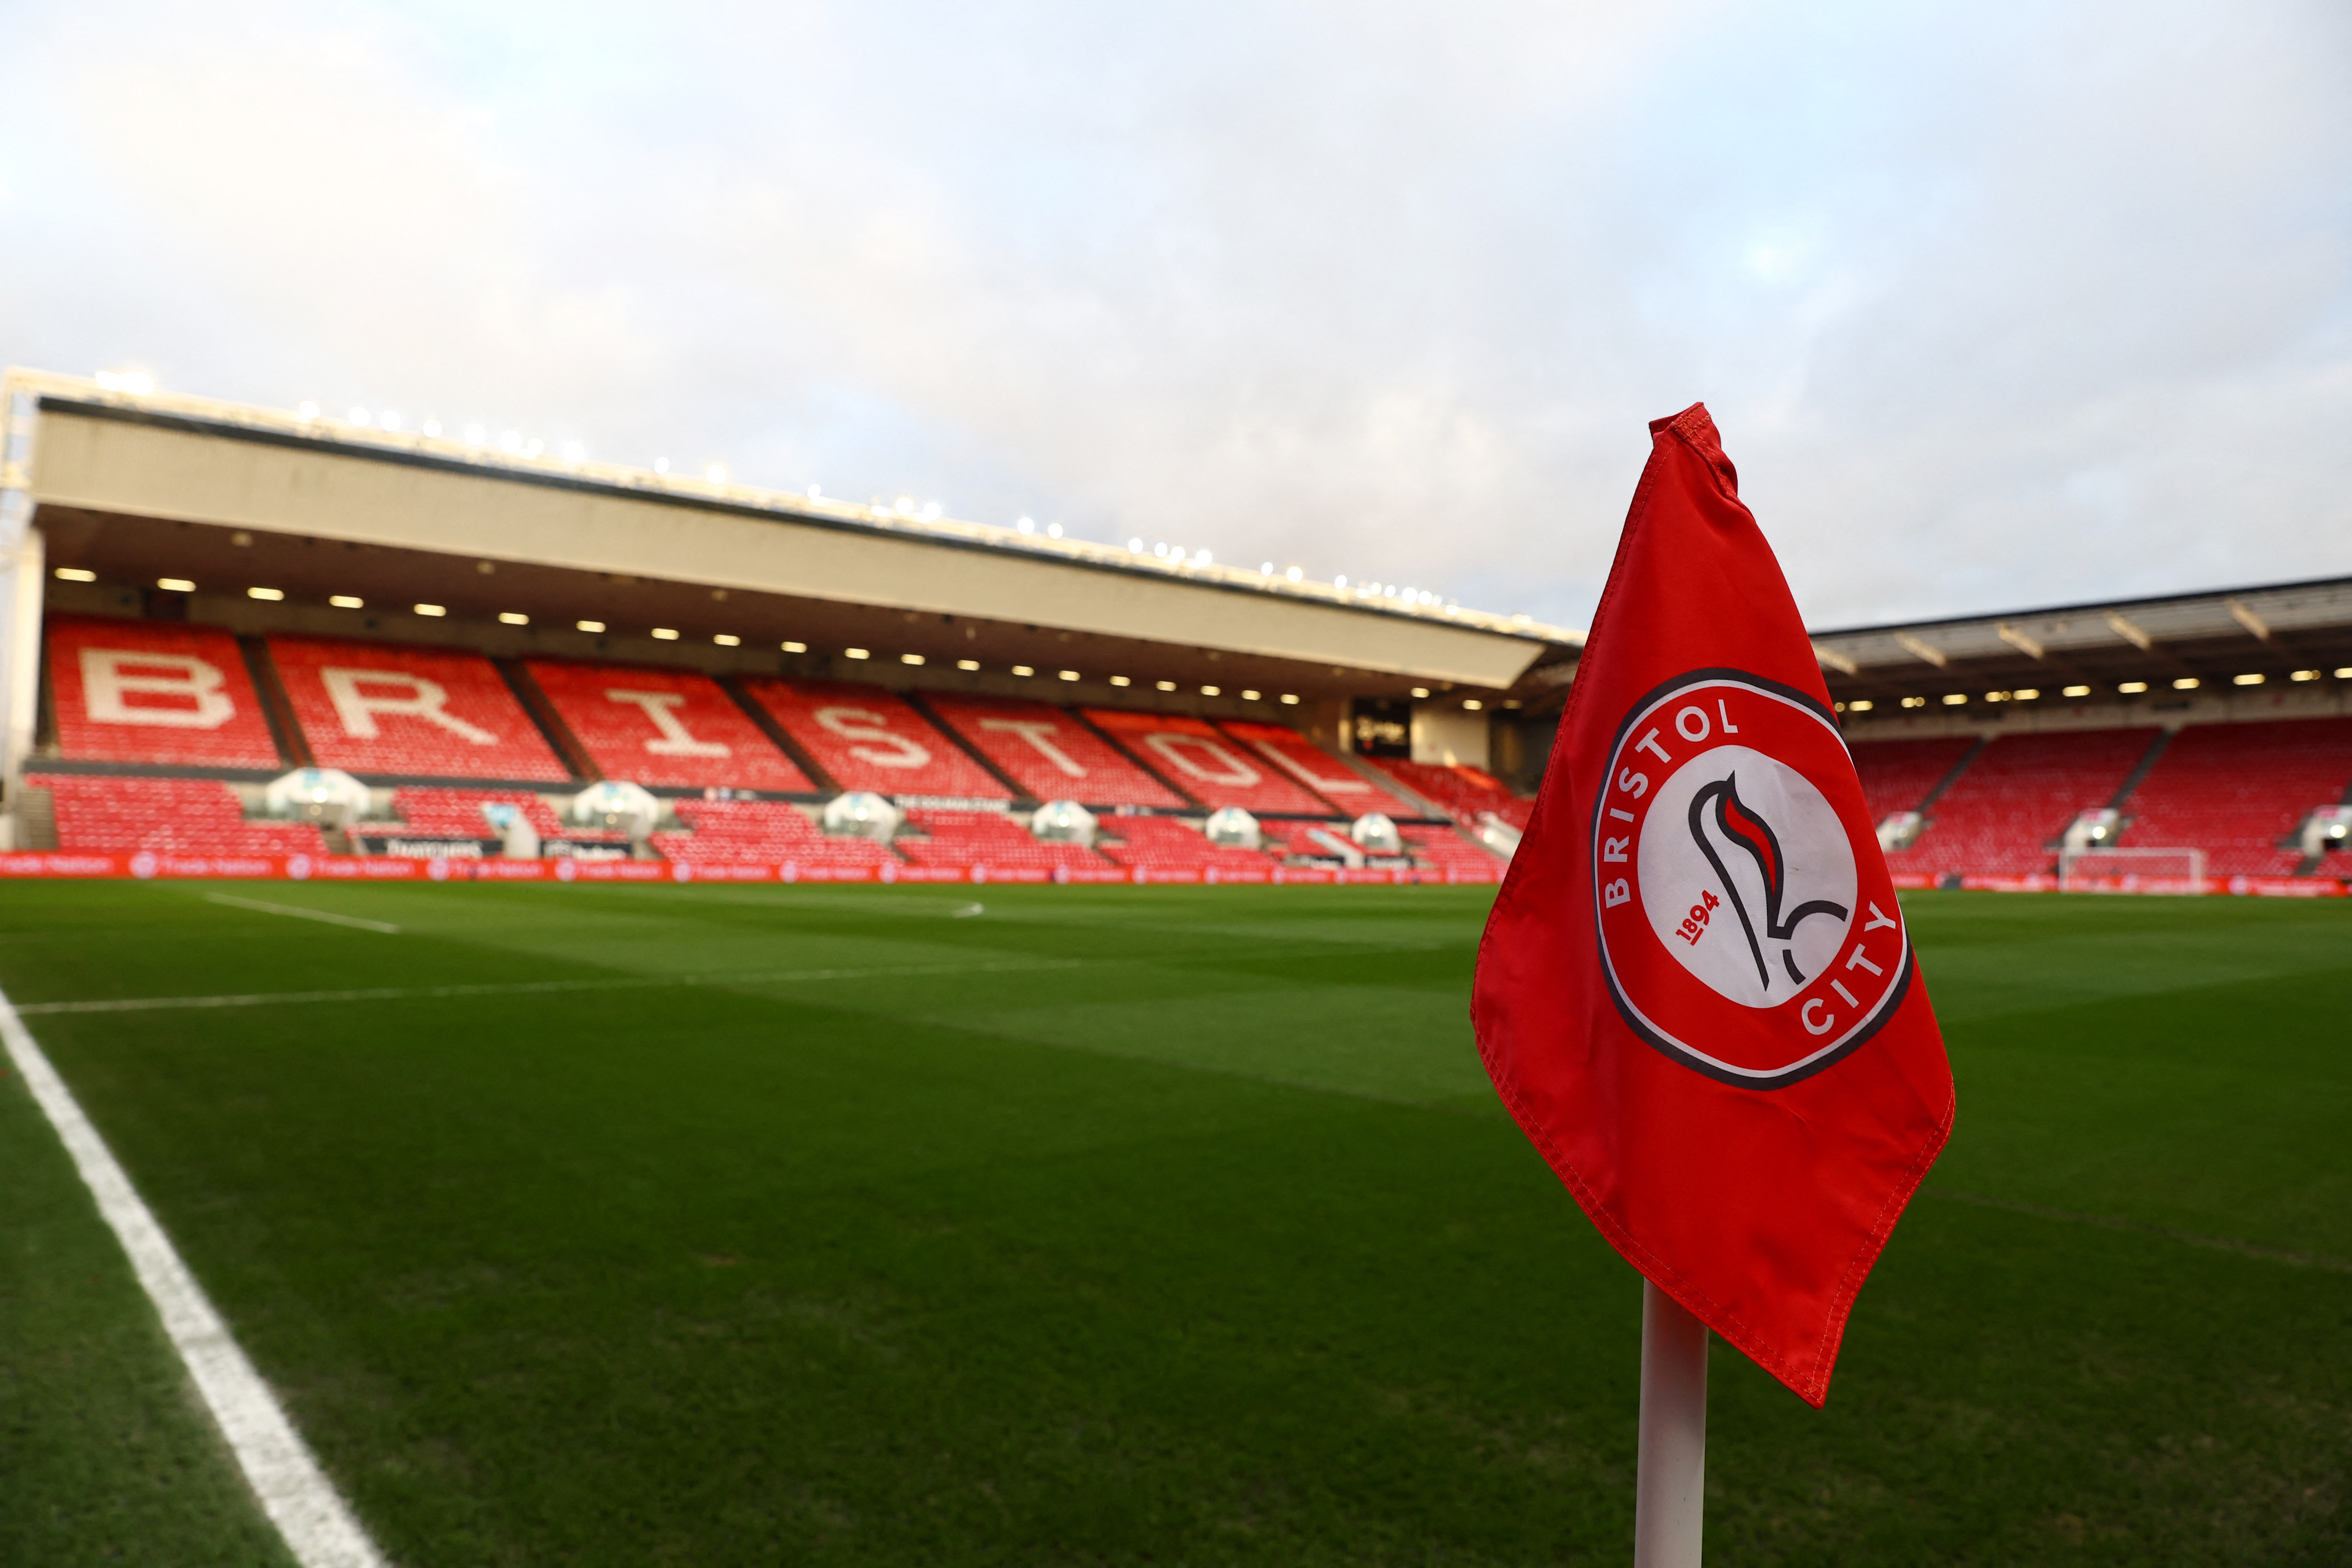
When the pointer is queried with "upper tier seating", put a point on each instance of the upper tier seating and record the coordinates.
(1207, 765)
(867, 738)
(663, 727)
(385, 707)
(1049, 753)
(987, 839)
(176, 816)
(761, 832)
(1332, 780)
(1460, 790)
(149, 691)
(2234, 790)
(1897, 775)
(1167, 844)
(2018, 796)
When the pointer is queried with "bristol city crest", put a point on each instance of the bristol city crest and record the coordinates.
(1748, 926)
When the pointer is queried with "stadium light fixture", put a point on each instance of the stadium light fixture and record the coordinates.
(1023, 670)
(1860, 705)
(306, 412)
(574, 452)
(1340, 581)
(1996, 696)
(2075, 691)
(666, 634)
(1135, 547)
(272, 594)
(716, 473)
(76, 575)
(1120, 681)
(1069, 674)
(1165, 685)
(476, 436)
(1026, 525)
(510, 440)
(175, 585)
(430, 609)
(727, 639)
(2132, 688)
(1202, 558)
(856, 653)
(359, 416)
(431, 426)
(661, 465)
(590, 626)
(1211, 691)
(1295, 575)
(795, 648)
(1249, 696)
(1291, 698)
(388, 419)
(967, 664)
(2245, 680)
(1421, 691)
(906, 507)
(910, 658)
(1053, 531)
(1914, 702)
(2028, 693)
(1472, 704)
(2344, 672)
(2186, 683)
(1266, 569)
(347, 601)
(513, 618)
(1955, 698)
(2304, 675)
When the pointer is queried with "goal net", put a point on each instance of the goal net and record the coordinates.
(2131, 871)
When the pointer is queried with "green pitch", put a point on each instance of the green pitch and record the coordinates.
(1122, 1227)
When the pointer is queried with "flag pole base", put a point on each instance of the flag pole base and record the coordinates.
(1670, 1489)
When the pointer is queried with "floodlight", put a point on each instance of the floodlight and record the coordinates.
(1210, 691)
(347, 601)
(933, 512)
(388, 419)
(1339, 582)
(905, 506)
(1955, 698)
(430, 609)
(727, 639)
(1472, 704)
(359, 416)
(1165, 685)
(1421, 691)
(2343, 673)
(1023, 670)
(661, 465)
(1026, 525)
(1860, 705)
(1914, 702)
(476, 435)
(1291, 698)
(139, 383)
(76, 575)
(175, 585)
(431, 426)
(1069, 674)
(910, 658)
(795, 648)
(2245, 680)
(306, 410)
(967, 664)
(716, 473)
(513, 618)
(590, 626)
(2304, 675)
(1249, 696)
(2186, 683)
(2028, 693)
(574, 451)
(1120, 681)
(1053, 531)
(2075, 691)
(1202, 558)
(270, 594)
(2132, 688)
(512, 440)
(1296, 575)
(856, 653)
(1135, 547)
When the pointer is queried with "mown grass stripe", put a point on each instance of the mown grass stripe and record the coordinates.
(2110, 1222)
(259, 906)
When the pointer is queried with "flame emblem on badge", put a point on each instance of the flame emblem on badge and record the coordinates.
(1743, 829)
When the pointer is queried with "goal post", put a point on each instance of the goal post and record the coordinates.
(2131, 870)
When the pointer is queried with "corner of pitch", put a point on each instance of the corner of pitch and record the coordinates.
(1747, 928)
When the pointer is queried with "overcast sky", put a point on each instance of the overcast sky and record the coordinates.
(1996, 306)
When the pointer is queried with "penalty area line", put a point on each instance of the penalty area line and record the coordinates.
(319, 1527)
(298, 912)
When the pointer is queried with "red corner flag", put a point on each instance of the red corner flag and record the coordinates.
(1697, 993)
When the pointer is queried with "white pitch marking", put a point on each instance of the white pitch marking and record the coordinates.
(301, 913)
(318, 1525)
(969, 910)
(526, 988)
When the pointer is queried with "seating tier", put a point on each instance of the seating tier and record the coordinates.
(180, 816)
(149, 691)
(663, 727)
(2000, 818)
(869, 739)
(383, 708)
(1049, 753)
(2235, 790)
(989, 839)
(1331, 779)
(1897, 775)
(1167, 843)
(1459, 789)
(748, 832)
(1207, 765)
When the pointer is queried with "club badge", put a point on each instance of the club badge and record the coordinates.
(1748, 926)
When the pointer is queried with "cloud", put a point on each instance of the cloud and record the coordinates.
(1994, 308)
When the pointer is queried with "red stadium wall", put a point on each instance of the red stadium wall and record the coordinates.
(663, 727)
(868, 739)
(382, 708)
(1208, 766)
(142, 691)
(1049, 753)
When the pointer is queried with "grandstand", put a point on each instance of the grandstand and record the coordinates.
(208, 595)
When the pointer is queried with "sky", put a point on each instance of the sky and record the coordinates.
(1996, 306)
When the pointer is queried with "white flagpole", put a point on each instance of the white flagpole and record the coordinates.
(1670, 1489)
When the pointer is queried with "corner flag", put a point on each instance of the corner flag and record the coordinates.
(1697, 994)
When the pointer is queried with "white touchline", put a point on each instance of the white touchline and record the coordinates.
(318, 1525)
(301, 913)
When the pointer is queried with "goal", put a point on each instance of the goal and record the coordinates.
(2131, 871)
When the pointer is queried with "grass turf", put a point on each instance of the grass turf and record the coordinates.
(1114, 1226)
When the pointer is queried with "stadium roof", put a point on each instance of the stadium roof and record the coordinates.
(124, 478)
(2278, 632)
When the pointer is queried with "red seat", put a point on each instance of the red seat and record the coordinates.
(2002, 816)
(868, 738)
(1209, 766)
(180, 816)
(386, 708)
(1897, 775)
(2235, 790)
(150, 691)
(1346, 790)
(663, 727)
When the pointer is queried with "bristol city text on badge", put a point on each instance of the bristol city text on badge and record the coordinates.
(1748, 927)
